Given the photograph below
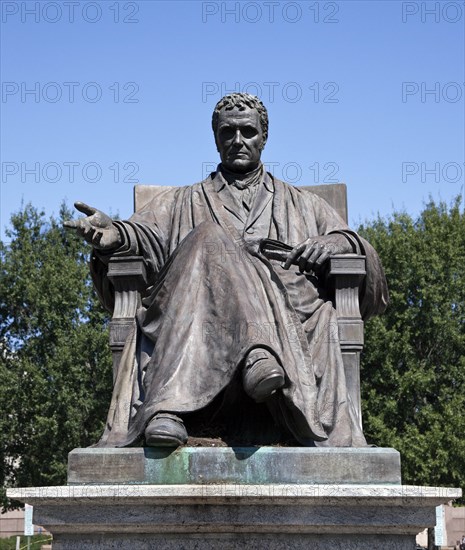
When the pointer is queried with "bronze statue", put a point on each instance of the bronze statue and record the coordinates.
(235, 336)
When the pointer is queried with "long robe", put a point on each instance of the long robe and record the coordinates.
(214, 297)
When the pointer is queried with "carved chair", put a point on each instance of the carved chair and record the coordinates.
(346, 273)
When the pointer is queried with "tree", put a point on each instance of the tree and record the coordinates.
(55, 363)
(413, 367)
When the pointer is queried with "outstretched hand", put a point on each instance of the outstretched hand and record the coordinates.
(313, 253)
(97, 228)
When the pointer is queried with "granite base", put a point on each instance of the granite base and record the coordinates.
(232, 516)
(230, 498)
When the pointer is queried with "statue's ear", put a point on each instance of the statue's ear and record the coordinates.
(263, 140)
(216, 142)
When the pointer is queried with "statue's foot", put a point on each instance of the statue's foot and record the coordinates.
(165, 430)
(262, 375)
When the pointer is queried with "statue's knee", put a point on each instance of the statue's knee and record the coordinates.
(208, 235)
(209, 241)
(208, 229)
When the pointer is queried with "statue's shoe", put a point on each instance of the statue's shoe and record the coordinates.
(165, 430)
(262, 375)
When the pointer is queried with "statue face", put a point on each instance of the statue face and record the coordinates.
(239, 139)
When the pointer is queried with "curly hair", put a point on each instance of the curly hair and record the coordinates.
(242, 101)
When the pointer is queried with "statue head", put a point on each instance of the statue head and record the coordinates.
(240, 126)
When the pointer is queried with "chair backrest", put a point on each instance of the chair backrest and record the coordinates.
(334, 194)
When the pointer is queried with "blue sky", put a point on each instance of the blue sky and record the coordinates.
(98, 95)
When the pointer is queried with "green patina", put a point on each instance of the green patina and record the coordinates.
(250, 465)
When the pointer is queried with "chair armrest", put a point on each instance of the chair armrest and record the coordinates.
(347, 272)
(128, 275)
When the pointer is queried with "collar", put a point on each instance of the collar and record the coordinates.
(220, 182)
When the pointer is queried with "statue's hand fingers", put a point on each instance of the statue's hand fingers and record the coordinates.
(306, 254)
(317, 250)
(85, 208)
(71, 224)
(88, 234)
(322, 259)
(87, 230)
(96, 238)
(293, 255)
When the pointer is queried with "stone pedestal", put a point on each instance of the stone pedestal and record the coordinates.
(256, 465)
(230, 498)
(230, 516)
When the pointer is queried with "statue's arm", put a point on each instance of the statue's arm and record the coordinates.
(374, 295)
(335, 237)
(327, 239)
(139, 236)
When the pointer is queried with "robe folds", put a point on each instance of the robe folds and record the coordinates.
(213, 297)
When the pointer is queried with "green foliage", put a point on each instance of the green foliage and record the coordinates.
(413, 367)
(36, 542)
(55, 364)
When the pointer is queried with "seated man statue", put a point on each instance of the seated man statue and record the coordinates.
(235, 337)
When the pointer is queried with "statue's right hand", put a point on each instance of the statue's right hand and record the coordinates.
(97, 228)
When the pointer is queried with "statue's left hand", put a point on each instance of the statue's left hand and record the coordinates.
(313, 253)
